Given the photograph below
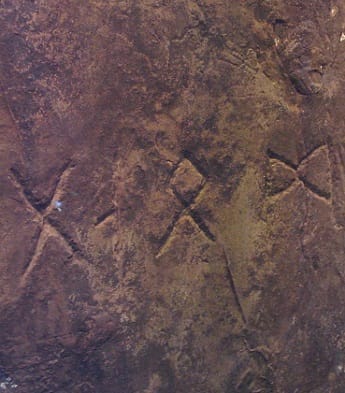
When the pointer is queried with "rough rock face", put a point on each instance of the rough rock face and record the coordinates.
(172, 196)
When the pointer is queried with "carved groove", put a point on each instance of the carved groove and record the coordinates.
(311, 187)
(164, 239)
(32, 263)
(314, 150)
(31, 256)
(103, 217)
(194, 161)
(197, 220)
(314, 189)
(276, 156)
(42, 210)
(38, 205)
(233, 286)
(65, 170)
(187, 206)
(66, 237)
(202, 225)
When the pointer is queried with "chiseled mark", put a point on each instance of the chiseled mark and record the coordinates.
(36, 240)
(315, 150)
(233, 286)
(57, 231)
(278, 157)
(188, 155)
(187, 208)
(26, 194)
(313, 189)
(48, 226)
(201, 225)
(49, 229)
(30, 266)
(104, 216)
(56, 195)
(165, 239)
(342, 37)
(39, 205)
(317, 192)
(281, 194)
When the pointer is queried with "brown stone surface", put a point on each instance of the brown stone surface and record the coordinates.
(172, 188)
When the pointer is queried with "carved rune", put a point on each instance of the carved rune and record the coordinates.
(187, 183)
(48, 226)
(313, 171)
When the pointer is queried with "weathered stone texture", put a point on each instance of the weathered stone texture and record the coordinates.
(172, 183)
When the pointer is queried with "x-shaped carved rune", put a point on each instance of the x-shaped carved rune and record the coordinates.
(314, 161)
(47, 226)
(187, 183)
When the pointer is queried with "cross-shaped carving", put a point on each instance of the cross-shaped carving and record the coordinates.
(312, 171)
(47, 227)
(187, 183)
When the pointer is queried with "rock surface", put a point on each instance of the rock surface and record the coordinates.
(172, 196)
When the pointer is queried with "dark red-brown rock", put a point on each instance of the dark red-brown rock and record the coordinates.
(172, 196)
